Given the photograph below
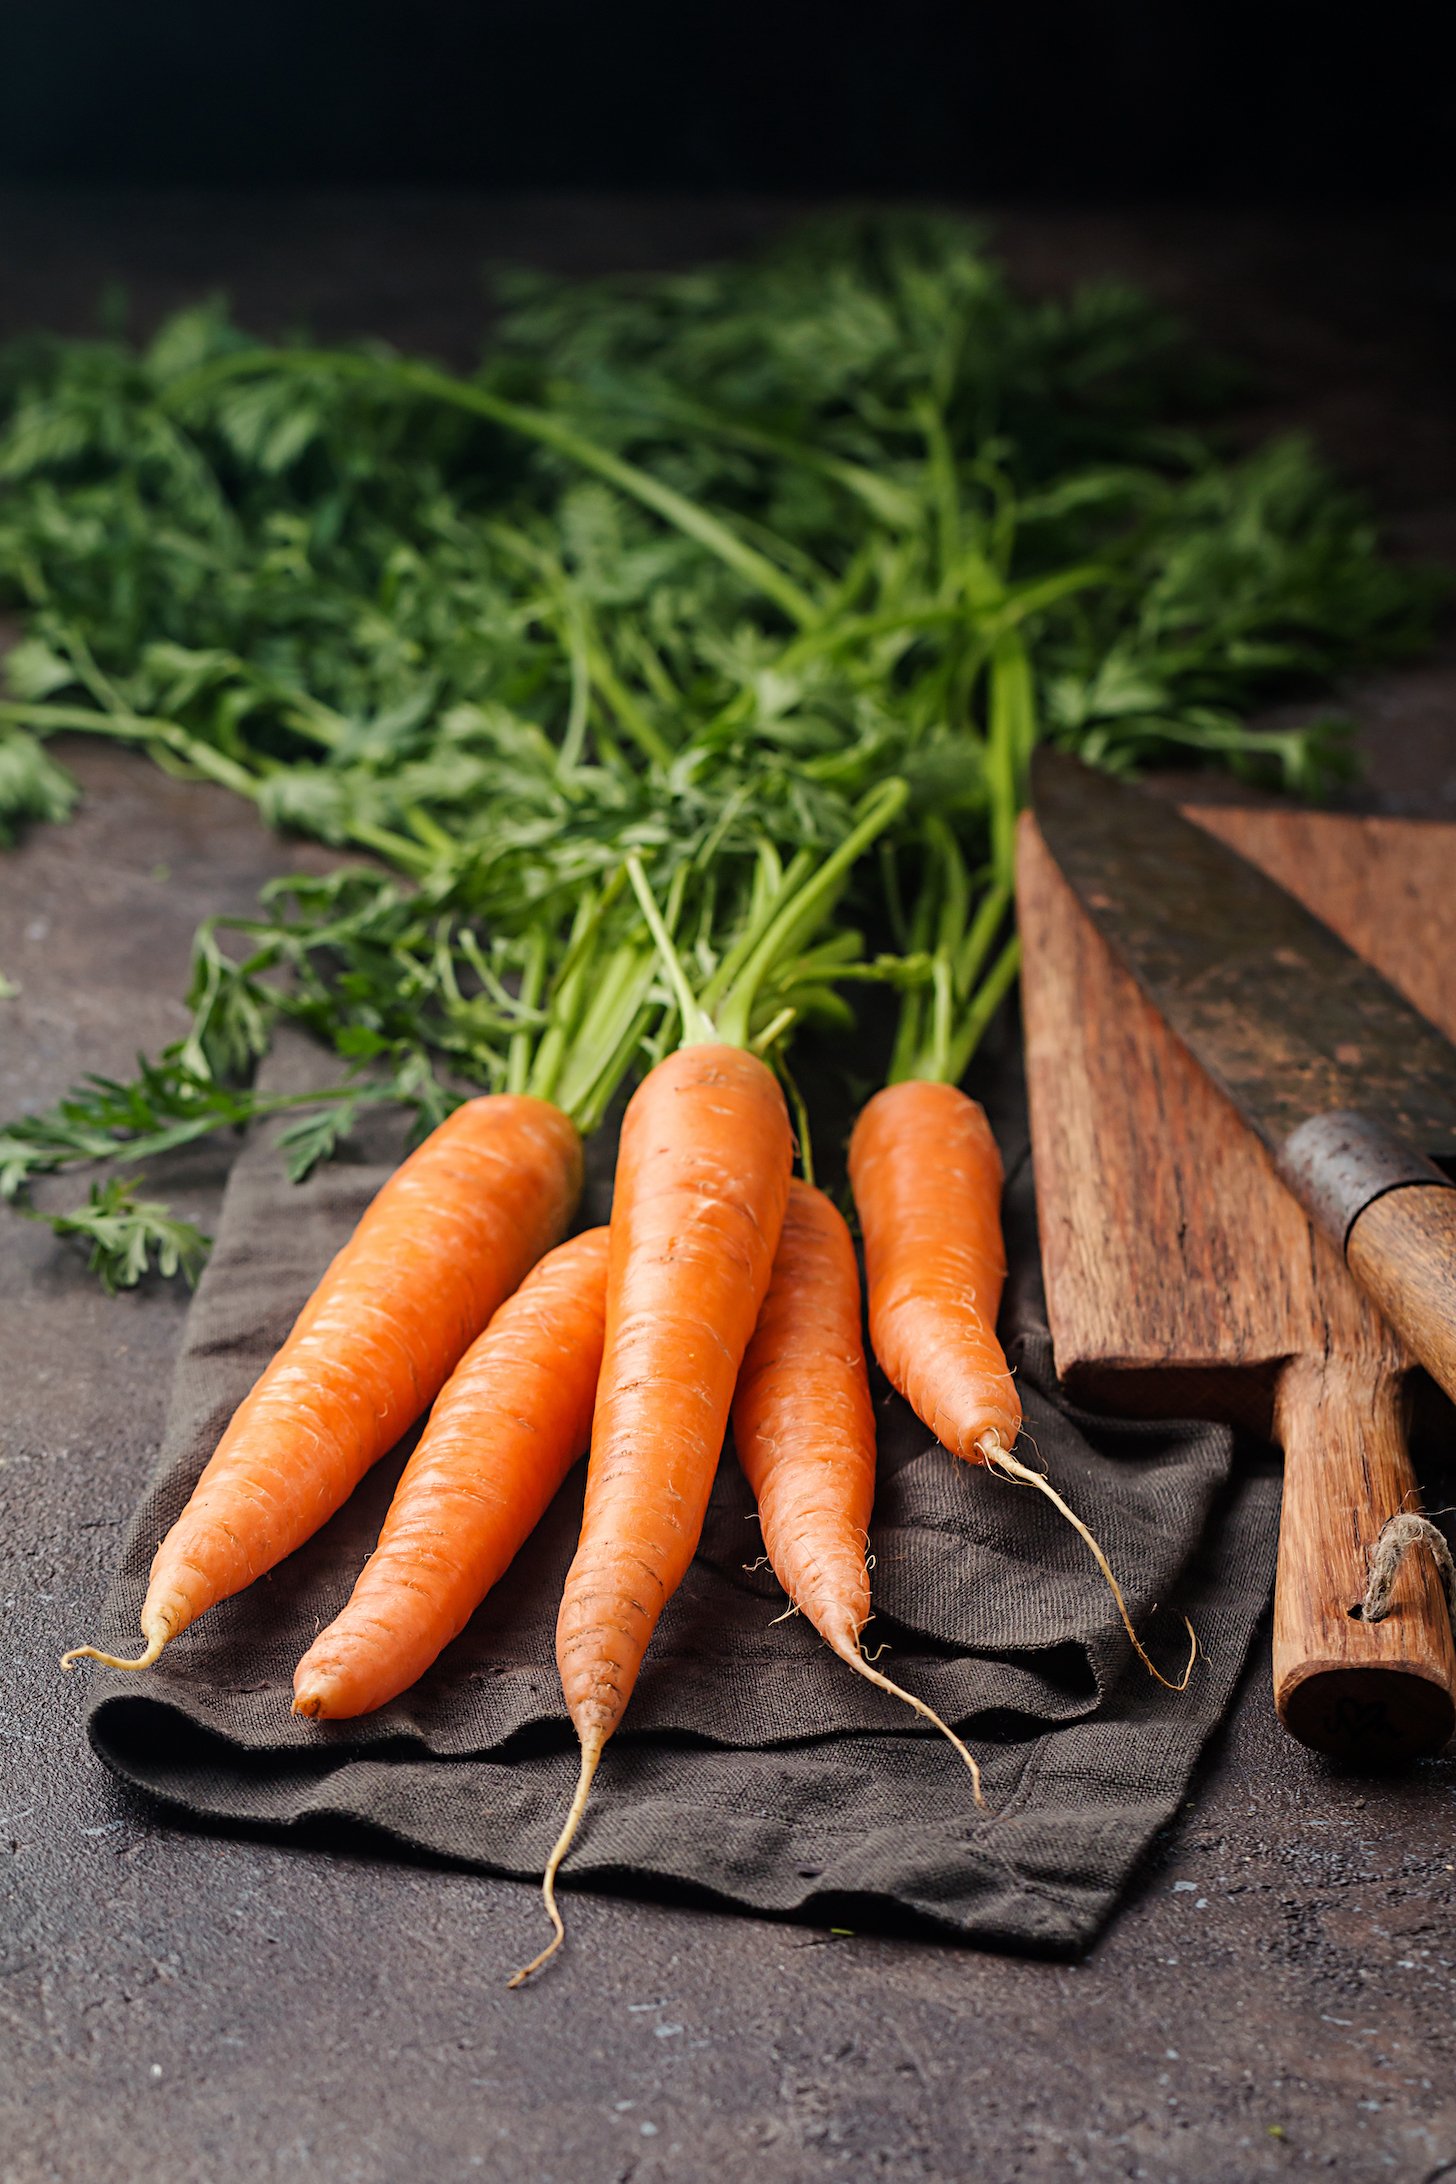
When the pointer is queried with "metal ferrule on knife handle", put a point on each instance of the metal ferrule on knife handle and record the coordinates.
(1337, 1165)
(1393, 1214)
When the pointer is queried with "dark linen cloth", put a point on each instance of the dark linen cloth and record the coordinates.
(752, 1767)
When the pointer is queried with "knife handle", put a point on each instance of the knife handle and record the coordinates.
(1371, 1694)
(1402, 1252)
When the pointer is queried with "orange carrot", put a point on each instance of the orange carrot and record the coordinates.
(510, 1422)
(804, 1428)
(702, 1181)
(926, 1177)
(443, 1244)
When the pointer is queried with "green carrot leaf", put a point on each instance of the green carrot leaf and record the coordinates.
(130, 1236)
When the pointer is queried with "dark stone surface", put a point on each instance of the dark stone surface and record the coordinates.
(1277, 1997)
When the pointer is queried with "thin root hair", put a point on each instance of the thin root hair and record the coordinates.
(590, 1760)
(863, 1667)
(999, 1458)
(145, 1659)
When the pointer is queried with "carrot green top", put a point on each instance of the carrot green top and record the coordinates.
(771, 970)
(944, 1014)
(966, 974)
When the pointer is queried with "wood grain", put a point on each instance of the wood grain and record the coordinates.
(1375, 1691)
(1182, 1277)
(1402, 1251)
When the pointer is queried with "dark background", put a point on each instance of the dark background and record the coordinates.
(1120, 99)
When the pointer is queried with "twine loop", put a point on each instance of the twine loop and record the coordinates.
(1398, 1535)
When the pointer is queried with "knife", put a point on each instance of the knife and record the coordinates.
(1350, 1089)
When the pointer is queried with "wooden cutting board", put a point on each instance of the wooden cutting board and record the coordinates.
(1183, 1280)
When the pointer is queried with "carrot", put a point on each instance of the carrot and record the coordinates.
(926, 1177)
(445, 1241)
(510, 1422)
(702, 1179)
(702, 1183)
(804, 1428)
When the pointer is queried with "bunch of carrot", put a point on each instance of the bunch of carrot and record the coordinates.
(723, 1285)
(534, 660)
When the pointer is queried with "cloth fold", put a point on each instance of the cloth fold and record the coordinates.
(752, 1768)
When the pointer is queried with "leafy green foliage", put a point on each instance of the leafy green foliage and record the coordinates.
(683, 571)
(165, 1106)
(130, 1236)
(316, 1137)
(32, 785)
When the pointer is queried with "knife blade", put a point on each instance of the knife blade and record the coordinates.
(1351, 1089)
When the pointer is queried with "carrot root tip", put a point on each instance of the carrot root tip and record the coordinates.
(590, 1759)
(997, 1457)
(144, 1659)
(849, 1651)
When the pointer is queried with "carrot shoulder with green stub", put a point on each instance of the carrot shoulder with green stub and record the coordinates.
(446, 1241)
(701, 1188)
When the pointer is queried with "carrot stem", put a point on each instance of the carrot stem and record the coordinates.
(802, 906)
(1012, 733)
(772, 1031)
(137, 728)
(608, 1036)
(974, 949)
(800, 1112)
(549, 1059)
(697, 1026)
(214, 765)
(532, 980)
(993, 991)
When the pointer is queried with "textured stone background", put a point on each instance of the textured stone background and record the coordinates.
(1276, 1999)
